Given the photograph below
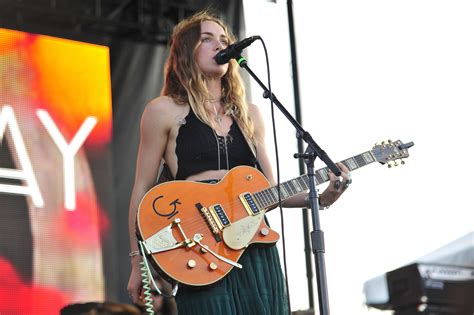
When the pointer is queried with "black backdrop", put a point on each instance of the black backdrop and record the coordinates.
(136, 62)
(137, 77)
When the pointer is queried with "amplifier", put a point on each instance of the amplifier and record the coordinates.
(408, 287)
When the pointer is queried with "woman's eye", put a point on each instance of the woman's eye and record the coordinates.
(205, 40)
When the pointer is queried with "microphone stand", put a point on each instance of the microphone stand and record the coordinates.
(312, 152)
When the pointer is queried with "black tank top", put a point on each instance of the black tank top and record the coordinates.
(199, 148)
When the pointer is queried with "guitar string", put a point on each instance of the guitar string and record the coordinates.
(237, 203)
(202, 224)
(197, 225)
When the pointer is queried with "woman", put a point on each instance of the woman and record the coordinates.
(202, 127)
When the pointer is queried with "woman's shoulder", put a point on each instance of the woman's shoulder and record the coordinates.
(162, 109)
(162, 104)
(254, 112)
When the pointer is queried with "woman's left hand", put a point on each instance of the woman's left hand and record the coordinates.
(337, 186)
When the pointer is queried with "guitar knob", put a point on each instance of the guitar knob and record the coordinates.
(191, 263)
(264, 231)
(212, 266)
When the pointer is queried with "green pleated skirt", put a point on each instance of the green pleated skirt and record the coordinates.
(258, 288)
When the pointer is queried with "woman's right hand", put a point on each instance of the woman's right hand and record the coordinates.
(134, 286)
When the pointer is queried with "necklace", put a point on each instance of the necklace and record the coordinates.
(218, 116)
(213, 100)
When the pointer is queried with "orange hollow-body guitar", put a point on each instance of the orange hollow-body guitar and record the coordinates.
(196, 232)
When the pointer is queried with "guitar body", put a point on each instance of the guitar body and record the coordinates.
(180, 201)
(196, 232)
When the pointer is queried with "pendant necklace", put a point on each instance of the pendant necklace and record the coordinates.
(218, 117)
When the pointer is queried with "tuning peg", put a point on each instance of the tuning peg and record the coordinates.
(389, 164)
(389, 141)
(402, 162)
(395, 163)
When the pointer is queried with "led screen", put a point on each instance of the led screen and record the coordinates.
(55, 129)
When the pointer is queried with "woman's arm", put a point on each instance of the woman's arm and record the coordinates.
(154, 130)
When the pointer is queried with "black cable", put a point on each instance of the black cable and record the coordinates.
(305, 212)
(278, 173)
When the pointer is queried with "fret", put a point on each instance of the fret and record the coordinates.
(294, 187)
(275, 193)
(290, 188)
(316, 183)
(319, 179)
(351, 164)
(303, 181)
(271, 196)
(266, 199)
(284, 193)
(259, 200)
(323, 174)
(300, 184)
(360, 160)
(297, 185)
(368, 158)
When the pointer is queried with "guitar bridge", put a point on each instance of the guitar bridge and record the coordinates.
(211, 223)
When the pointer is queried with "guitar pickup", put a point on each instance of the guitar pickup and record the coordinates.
(219, 215)
(249, 203)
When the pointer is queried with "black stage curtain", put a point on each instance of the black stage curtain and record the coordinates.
(137, 77)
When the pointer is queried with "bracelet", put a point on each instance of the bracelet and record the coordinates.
(134, 253)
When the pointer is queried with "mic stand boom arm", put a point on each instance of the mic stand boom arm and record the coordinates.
(312, 152)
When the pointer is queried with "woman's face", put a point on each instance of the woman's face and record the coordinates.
(212, 40)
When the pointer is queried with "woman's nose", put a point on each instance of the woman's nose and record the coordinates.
(219, 46)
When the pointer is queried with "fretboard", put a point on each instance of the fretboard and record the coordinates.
(269, 197)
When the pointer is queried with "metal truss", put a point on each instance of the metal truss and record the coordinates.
(141, 20)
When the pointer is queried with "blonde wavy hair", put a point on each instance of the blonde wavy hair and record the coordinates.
(186, 83)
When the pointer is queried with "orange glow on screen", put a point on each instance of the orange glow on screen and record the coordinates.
(67, 80)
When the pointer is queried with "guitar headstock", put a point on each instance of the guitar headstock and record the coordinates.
(391, 152)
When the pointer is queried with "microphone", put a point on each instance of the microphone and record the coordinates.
(234, 50)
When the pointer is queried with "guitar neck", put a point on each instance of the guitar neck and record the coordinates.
(268, 198)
